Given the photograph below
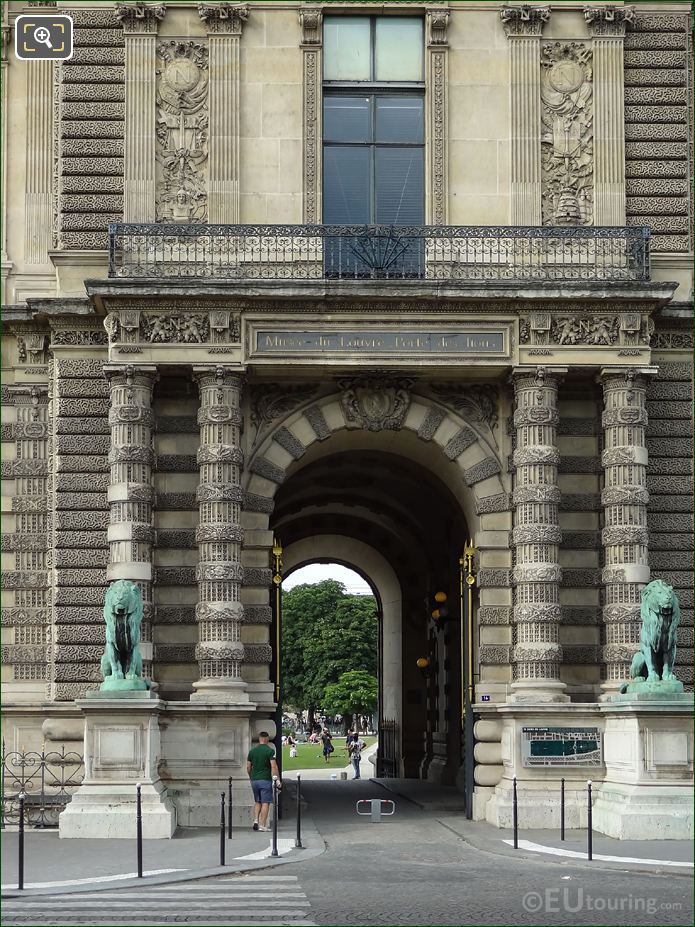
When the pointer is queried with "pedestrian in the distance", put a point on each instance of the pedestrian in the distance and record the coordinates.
(356, 748)
(261, 766)
(328, 747)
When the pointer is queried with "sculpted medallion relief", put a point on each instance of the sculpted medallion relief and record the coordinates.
(567, 133)
(375, 403)
(182, 132)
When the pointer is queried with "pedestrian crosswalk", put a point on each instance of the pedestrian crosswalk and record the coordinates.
(247, 900)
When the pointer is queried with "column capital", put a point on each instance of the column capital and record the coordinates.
(608, 21)
(223, 18)
(311, 19)
(524, 21)
(130, 370)
(140, 17)
(437, 25)
(625, 373)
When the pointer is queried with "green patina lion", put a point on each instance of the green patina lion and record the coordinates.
(660, 615)
(121, 662)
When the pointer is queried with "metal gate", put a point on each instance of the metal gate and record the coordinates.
(388, 757)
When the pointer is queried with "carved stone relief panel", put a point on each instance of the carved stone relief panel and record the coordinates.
(182, 132)
(567, 150)
(375, 403)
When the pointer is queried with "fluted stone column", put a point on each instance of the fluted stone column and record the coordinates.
(524, 26)
(39, 163)
(219, 610)
(536, 537)
(140, 28)
(607, 26)
(224, 23)
(130, 492)
(624, 499)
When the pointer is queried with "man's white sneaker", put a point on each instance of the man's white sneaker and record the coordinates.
(263, 827)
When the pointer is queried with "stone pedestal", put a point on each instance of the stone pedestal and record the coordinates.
(538, 787)
(647, 793)
(121, 748)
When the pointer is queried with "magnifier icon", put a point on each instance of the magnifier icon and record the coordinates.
(43, 36)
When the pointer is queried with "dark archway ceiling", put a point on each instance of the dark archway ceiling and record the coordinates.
(385, 500)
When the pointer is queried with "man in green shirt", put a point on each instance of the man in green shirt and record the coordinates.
(261, 767)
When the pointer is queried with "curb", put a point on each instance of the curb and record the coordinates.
(234, 867)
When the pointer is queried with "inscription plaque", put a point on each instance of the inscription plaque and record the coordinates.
(277, 341)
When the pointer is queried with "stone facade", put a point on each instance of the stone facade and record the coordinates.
(529, 386)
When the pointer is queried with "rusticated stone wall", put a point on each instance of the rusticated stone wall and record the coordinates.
(670, 477)
(659, 127)
(91, 103)
(80, 427)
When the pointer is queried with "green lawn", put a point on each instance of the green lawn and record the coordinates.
(310, 756)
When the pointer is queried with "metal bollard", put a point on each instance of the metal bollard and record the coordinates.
(589, 824)
(298, 838)
(20, 845)
(515, 812)
(562, 809)
(274, 849)
(222, 828)
(229, 811)
(138, 826)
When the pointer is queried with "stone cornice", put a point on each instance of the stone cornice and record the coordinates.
(524, 20)
(223, 18)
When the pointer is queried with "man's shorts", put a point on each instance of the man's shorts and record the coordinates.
(262, 791)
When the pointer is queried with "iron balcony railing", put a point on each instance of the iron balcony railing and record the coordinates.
(454, 254)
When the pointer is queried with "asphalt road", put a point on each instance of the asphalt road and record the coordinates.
(409, 869)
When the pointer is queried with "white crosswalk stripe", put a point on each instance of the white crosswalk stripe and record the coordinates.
(237, 900)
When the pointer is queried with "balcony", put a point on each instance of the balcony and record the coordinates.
(455, 255)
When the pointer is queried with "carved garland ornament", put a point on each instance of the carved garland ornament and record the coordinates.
(567, 152)
(182, 124)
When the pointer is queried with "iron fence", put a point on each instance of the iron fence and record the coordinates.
(46, 779)
(388, 758)
(451, 254)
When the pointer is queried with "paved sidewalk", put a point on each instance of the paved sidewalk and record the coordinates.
(52, 865)
(447, 805)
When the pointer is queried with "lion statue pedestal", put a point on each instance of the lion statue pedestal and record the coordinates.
(122, 737)
(648, 740)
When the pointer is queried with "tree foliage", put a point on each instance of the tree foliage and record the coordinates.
(325, 633)
(355, 693)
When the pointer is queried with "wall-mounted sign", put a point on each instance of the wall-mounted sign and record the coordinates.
(369, 341)
(561, 746)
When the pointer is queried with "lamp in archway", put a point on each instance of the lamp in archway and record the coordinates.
(423, 664)
(440, 613)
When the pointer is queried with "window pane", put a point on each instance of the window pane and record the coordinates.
(346, 186)
(346, 48)
(399, 119)
(347, 119)
(399, 185)
(398, 48)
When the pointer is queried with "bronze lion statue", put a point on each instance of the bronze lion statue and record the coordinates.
(123, 616)
(660, 614)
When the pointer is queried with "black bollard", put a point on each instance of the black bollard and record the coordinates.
(298, 838)
(562, 809)
(589, 824)
(222, 828)
(20, 845)
(274, 850)
(138, 826)
(229, 811)
(515, 811)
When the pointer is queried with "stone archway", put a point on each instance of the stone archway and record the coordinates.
(463, 451)
(373, 566)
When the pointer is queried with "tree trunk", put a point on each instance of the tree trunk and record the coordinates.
(310, 718)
